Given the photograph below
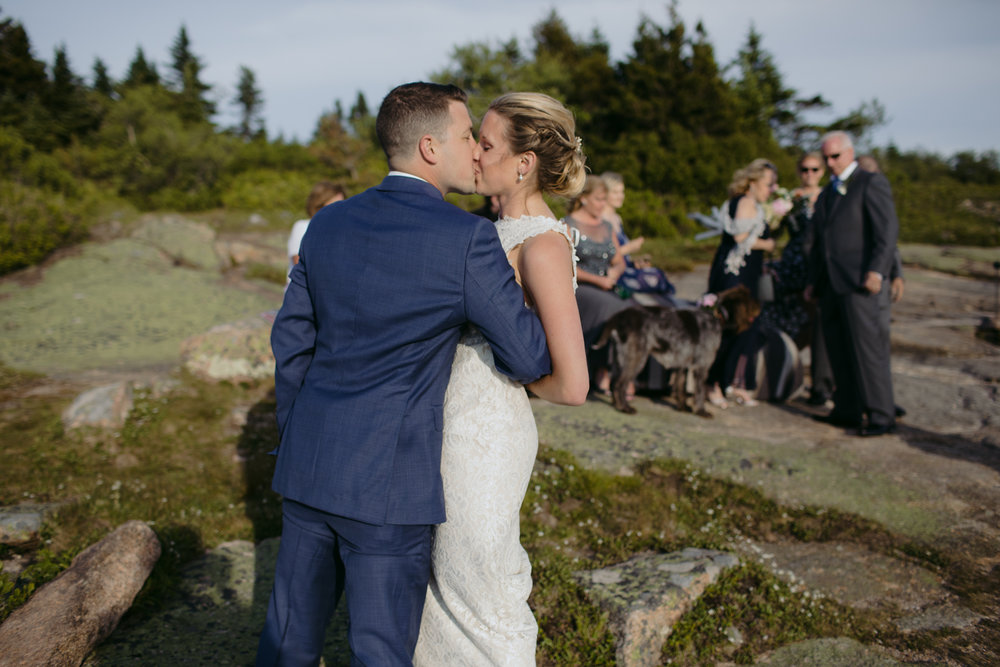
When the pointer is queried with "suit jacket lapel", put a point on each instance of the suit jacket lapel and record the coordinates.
(832, 200)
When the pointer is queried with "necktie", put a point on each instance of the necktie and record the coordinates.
(835, 181)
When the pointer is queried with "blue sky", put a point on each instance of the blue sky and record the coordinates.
(932, 64)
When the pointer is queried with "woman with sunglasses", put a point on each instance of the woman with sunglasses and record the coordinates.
(788, 311)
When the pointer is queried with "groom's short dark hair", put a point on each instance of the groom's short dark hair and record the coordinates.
(412, 110)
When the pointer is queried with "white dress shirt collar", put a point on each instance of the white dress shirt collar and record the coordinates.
(846, 174)
(403, 173)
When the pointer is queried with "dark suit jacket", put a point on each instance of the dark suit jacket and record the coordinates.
(364, 343)
(854, 233)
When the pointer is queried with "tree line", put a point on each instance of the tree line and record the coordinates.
(669, 117)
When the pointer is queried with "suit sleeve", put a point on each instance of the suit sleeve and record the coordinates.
(494, 302)
(293, 341)
(897, 265)
(881, 214)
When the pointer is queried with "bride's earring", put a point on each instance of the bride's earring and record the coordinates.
(520, 177)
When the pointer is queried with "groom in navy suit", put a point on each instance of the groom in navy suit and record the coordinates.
(364, 343)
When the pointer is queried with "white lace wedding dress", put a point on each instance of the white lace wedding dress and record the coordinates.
(476, 612)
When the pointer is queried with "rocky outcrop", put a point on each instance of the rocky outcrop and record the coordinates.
(67, 617)
(21, 525)
(239, 252)
(187, 243)
(237, 351)
(645, 595)
(106, 406)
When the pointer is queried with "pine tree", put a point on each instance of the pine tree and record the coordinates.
(141, 72)
(193, 105)
(102, 80)
(360, 109)
(250, 100)
(68, 102)
(23, 84)
(765, 99)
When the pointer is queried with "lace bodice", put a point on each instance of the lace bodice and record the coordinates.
(515, 231)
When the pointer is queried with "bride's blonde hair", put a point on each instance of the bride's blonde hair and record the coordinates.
(542, 125)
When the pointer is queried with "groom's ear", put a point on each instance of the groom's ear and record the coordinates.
(428, 149)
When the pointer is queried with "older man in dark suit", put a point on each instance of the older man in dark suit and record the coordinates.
(856, 232)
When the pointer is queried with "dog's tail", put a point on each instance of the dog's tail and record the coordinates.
(608, 333)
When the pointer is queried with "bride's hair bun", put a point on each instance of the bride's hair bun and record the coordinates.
(542, 125)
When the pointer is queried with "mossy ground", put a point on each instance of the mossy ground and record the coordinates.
(192, 461)
(116, 306)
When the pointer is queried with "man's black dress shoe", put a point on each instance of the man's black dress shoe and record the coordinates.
(900, 412)
(836, 420)
(875, 430)
(817, 399)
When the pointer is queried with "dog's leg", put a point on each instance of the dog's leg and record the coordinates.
(700, 391)
(680, 389)
(633, 359)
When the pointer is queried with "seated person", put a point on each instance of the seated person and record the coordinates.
(639, 275)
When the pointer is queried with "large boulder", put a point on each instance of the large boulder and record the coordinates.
(21, 525)
(237, 351)
(66, 618)
(106, 406)
(240, 252)
(186, 242)
(645, 595)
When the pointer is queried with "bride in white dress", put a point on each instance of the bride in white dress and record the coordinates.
(476, 611)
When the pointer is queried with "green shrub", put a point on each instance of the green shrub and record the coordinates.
(267, 190)
(268, 273)
(34, 222)
(46, 566)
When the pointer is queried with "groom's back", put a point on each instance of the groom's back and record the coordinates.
(385, 272)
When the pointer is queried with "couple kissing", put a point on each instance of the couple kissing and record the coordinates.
(403, 347)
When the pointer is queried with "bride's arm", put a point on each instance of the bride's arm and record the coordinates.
(545, 265)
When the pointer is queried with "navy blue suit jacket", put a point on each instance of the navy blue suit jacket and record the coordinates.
(364, 343)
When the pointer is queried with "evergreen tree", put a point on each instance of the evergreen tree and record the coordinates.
(74, 111)
(576, 71)
(181, 57)
(141, 72)
(193, 104)
(340, 151)
(250, 100)
(23, 85)
(764, 98)
(678, 125)
(860, 122)
(102, 81)
(359, 112)
(20, 73)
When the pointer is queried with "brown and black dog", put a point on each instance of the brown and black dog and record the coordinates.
(685, 340)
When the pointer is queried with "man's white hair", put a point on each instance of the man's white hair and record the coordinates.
(843, 137)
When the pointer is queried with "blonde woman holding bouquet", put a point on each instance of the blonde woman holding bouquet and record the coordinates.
(740, 261)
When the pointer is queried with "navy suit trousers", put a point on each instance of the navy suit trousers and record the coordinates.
(382, 570)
